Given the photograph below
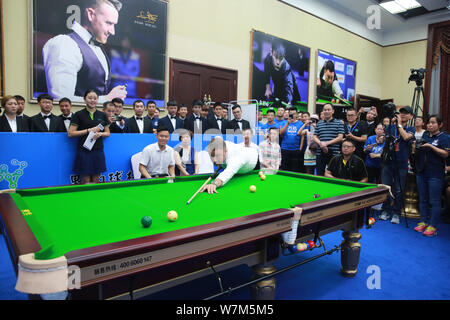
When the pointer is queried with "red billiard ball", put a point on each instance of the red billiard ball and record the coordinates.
(311, 244)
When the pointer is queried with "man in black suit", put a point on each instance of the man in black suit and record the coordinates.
(171, 121)
(114, 126)
(138, 123)
(45, 121)
(216, 121)
(65, 105)
(195, 122)
(9, 121)
(238, 124)
(20, 109)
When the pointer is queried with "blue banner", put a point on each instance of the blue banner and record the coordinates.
(31, 160)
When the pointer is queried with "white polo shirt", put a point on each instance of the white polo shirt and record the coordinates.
(156, 161)
(239, 160)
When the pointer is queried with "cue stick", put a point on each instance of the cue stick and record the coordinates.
(214, 175)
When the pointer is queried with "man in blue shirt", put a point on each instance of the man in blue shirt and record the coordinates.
(291, 155)
(395, 168)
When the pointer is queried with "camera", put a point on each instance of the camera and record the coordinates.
(417, 75)
(291, 116)
(118, 118)
(390, 109)
(419, 144)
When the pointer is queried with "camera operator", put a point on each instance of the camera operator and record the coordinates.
(431, 154)
(395, 161)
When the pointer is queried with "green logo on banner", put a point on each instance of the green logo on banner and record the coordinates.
(12, 178)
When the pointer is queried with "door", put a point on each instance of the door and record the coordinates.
(192, 81)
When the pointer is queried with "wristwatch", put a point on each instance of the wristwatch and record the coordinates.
(400, 126)
(214, 183)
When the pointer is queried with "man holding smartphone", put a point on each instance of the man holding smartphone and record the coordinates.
(291, 155)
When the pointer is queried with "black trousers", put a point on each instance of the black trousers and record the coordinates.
(292, 160)
(322, 161)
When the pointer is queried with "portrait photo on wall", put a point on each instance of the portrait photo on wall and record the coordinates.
(116, 47)
(279, 71)
(335, 80)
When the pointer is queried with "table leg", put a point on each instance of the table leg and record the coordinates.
(263, 290)
(350, 250)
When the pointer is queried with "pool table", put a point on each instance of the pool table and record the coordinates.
(89, 238)
(340, 109)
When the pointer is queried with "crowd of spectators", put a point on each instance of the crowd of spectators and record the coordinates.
(363, 148)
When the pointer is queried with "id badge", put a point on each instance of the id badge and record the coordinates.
(397, 147)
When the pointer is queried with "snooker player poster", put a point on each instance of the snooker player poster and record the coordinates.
(116, 47)
(279, 70)
(336, 79)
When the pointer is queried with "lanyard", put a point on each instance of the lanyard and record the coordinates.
(353, 128)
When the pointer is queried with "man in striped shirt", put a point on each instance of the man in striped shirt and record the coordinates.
(328, 135)
(270, 152)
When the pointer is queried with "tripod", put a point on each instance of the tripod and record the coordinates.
(389, 155)
(415, 105)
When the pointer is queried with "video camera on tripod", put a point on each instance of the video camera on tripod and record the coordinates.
(417, 75)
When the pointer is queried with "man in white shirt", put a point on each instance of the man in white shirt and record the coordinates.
(158, 159)
(234, 158)
(248, 135)
(76, 62)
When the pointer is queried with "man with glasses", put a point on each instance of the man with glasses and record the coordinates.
(356, 131)
(347, 165)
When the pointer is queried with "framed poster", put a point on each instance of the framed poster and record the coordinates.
(335, 82)
(279, 71)
(115, 47)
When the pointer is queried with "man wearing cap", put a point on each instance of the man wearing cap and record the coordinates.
(395, 168)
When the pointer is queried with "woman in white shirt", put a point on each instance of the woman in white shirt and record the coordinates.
(418, 124)
(186, 159)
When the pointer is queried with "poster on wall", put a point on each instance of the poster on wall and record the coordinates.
(336, 79)
(279, 71)
(115, 47)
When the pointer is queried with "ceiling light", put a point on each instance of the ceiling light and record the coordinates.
(408, 4)
(392, 7)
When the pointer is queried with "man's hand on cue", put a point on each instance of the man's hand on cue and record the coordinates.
(212, 187)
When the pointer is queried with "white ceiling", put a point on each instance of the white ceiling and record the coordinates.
(352, 15)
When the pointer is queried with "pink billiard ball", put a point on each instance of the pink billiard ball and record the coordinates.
(252, 188)
(262, 177)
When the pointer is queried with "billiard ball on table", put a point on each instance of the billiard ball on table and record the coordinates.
(172, 215)
(252, 188)
(146, 221)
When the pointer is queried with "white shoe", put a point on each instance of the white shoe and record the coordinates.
(395, 219)
(384, 215)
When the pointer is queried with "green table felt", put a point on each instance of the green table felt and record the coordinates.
(64, 219)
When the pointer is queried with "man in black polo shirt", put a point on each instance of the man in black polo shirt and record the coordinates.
(356, 131)
(347, 165)
(328, 135)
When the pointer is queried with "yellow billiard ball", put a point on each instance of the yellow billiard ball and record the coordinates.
(252, 188)
(172, 215)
